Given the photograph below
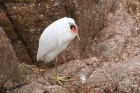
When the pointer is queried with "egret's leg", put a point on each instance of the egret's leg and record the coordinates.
(59, 78)
(56, 67)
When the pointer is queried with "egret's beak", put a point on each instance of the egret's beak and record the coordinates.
(76, 31)
(78, 36)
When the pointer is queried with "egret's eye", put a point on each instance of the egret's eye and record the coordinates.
(72, 27)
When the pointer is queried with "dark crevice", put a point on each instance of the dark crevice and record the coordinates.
(66, 7)
(18, 86)
(46, 91)
(15, 29)
(2, 90)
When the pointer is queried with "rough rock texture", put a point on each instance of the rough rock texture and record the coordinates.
(30, 19)
(73, 69)
(30, 88)
(16, 40)
(109, 32)
(91, 15)
(43, 83)
(132, 48)
(110, 50)
(40, 88)
(121, 77)
(10, 72)
(20, 1)
(110, 43)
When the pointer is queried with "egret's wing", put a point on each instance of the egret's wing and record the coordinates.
(50, 39)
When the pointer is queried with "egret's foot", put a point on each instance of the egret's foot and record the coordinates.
(62, 79)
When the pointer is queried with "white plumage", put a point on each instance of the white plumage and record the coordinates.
(55, 38)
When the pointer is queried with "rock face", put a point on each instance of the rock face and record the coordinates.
(10, 72)
(109, 33)
(118, 77)
(109, 77)
(113, 39)
(16, 40)
(30, 19)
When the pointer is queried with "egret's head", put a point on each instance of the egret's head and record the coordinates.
(73, 27)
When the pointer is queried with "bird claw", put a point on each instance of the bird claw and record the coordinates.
(62, 79)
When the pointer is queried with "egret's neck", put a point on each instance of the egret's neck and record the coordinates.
(68, 37)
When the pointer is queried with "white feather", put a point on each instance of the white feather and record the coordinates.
(55, 39)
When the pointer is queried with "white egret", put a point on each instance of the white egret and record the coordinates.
(54, 40)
